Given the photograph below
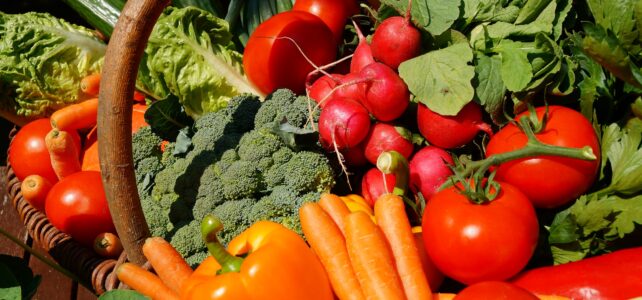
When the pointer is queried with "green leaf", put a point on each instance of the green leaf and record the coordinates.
(434, 16)
(623, 150)
(501, 30)
(121, 294)
(190, 54)
(563, 229)
(619, 18)
(563, 8)
(607, 50)
(489, 87)
(16, 278)
(629, 214)
(516, 70)
(295, 137)
(565, 253)
(42, 61)
(531, 11)
(476, 11)
(441, 79)
(167, 117)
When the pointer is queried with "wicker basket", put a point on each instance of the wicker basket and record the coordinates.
(122, 58)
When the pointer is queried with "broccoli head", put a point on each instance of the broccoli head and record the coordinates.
(233, 214)
(187, 239)
(305, 171)
(145, 144)
(284, 104)
(242, 179)
(258, 144)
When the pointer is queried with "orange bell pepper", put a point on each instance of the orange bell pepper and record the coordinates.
(355, 203)
(267, 261)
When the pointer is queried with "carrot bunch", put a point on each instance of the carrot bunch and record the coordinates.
(171, 271)
(365, 260)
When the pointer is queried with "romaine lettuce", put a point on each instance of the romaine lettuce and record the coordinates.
(42, 60)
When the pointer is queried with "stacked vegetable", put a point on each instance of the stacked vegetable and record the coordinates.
(465, 113)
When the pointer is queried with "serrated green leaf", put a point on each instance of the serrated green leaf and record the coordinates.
(606, 49)
(592, 214)
(441, 79)
(618, 17)
(629, 214)
(563, 8)
(565, 253)
(434, 16)
(516, 70)
(625, 156)
(563, 229)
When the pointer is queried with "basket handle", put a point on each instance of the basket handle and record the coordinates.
(122, 58)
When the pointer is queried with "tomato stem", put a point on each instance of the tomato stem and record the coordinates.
(481, 191)
(210, 226)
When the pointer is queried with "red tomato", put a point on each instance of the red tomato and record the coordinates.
(28, 153)
(334, 13)
(77, 205)
(478, 242)
(271, 61)
(549, 181)
(497, 290)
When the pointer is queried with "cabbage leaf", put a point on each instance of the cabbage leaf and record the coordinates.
(42, 60)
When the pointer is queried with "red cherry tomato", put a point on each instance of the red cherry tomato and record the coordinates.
(77, 205)
(479, 242)
(549, 181)
(271, 60)
(28, 153)
(334, 13)
(494, 290)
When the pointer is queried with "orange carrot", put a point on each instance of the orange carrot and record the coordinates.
(167, 262)
(371, 258)
(90, 84)
(328, 243)
(144, 282)
(35, 189)
(63, 152)
(443, 296)
(393, 221)
(335, 208)
(76, 116)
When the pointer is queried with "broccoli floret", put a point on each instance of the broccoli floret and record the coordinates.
(258, 144)
(306, 171)
(157, 218)
(233, 214)
(187, 239)
(284, 104)
(145, 144)
(281, 206)
(195, 259)
(242, 179)
(147, 167)
(228, 157)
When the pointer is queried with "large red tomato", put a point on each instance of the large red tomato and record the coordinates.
(479, 242)
(271, 59)
(335, 13)
(497, 290)
(77, 205)
(28, 154)
(549, 181)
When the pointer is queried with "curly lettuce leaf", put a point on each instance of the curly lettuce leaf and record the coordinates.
(42, 60)
(190, 54)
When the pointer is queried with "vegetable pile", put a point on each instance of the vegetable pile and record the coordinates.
(405, 149)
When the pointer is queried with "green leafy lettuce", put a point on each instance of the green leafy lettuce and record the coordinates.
(190, 54)
(42, 60)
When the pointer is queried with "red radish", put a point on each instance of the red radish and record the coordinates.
(374, 184)
(396, 40)
(450, 132)
(352, 86)
(362, 55)
(343, 123)
(385, 137)
(429, 170)
(386, 94)
(321, 90)
(355, 156)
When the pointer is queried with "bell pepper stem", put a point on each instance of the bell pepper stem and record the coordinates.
(392, 162)
(210, 226)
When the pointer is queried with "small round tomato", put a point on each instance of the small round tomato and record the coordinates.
(271, 59)
(28, 154)
(334, 13)
(77, 205)
(549, 181)
(494, 290)
(472, 242)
